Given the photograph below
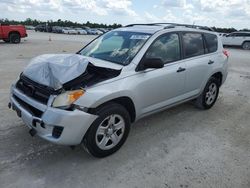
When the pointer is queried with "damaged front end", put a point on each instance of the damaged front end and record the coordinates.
(44, 96)
(52, 75)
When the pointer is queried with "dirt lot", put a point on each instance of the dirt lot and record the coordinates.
(180, 147)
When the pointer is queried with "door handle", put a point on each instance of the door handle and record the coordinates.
(210, 62)
(180, 69)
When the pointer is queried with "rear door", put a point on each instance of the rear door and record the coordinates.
(238, 39)
(198, 61)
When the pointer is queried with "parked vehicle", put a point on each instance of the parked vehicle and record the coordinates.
(92, 97)
(68, 30)
(94, 32)
(81, 31)
(241, 39)
(12, 33)
(41, 28)
(57, 29)
(29, 27)
(103, 30)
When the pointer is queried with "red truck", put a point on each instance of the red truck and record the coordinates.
(12, 33)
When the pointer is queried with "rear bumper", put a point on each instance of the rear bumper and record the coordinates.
(54, 125)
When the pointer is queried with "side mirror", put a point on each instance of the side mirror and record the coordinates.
(151, 63)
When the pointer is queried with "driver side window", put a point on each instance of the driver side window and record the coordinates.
(166, 47)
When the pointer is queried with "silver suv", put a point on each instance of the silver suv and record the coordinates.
(92, 97)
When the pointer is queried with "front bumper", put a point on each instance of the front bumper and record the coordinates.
(55, 125)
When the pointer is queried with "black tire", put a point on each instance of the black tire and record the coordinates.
(202, 101)
(15, 38)
(6, 40)
(246, 45)
(90, 139)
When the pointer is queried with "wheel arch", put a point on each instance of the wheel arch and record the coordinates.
(14, 32)
(125, 101)
(218, 76)
(245, 41)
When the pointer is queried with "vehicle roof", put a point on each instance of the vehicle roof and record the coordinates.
(153, 28)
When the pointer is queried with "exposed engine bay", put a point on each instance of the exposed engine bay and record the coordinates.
(91, 76)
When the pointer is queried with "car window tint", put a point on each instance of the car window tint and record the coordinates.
(238, 35)
(193, 44)
(245, 34)
(211, 42)
(166, 47)
(115, 42)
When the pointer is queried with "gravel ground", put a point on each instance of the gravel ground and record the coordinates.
(180, 147)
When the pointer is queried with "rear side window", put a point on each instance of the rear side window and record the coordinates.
(245, 34)
(193, 44)
(211, 42)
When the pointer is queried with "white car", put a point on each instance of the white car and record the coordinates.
(95, 32)
(68, 30)
(81, 31)
(241, 39)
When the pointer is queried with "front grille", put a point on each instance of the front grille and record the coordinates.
(57, 131)
(32, 110)
(34, 90)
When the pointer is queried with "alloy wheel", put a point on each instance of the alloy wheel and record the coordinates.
(211, 94)
(110, 132)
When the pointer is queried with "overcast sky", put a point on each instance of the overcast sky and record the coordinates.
(220, 13)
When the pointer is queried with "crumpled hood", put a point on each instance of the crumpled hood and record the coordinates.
(54, 70)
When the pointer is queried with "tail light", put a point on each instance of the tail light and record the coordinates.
(225, 52)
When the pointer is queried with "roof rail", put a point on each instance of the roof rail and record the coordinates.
(149, 24)
(173, 25)
(186, 25)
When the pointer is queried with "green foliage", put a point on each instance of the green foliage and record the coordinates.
(224, 30)
(59, 22)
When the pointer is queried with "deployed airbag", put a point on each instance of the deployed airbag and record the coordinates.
(54, 70)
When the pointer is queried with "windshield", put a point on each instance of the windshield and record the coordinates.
(116, 46)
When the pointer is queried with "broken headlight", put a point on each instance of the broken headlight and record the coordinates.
(64, 100)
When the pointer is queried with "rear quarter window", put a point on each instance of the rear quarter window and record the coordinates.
(211, 42)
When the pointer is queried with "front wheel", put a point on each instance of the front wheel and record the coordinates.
(109, 131)
(209, 95)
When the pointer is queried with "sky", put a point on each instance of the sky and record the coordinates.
(219, 13)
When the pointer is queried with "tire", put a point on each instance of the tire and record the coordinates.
(102, 141)
(246, 45)
(209, 95)
(15, 38)
(6, 40)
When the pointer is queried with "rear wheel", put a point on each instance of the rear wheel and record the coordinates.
(246, 45)
(15, 38)
(209, 95)
(109, 131)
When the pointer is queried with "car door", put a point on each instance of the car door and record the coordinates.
(157, 88)
(198, 62)
(236, 39)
